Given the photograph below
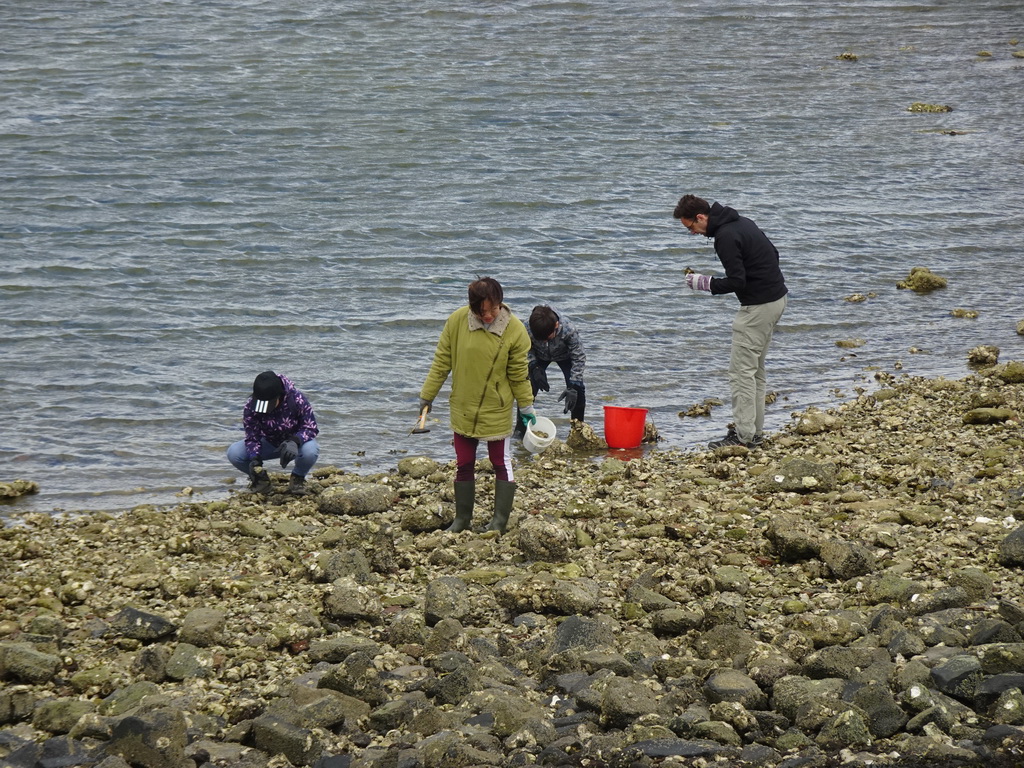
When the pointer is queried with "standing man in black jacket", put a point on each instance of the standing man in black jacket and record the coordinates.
(751, 272)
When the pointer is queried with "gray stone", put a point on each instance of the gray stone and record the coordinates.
(545, 593)
(793, 692)
(717, 731)
(671, 622)
(841, 661)
(845, 730)
(847, 559)
(356, 499)
(724, 642)
(25, 664)
(545, 538)
(1009, 707)
(694, 748)
(348, 601)
(958, 676)
(140, 625)
(791, 541)
(974, 581)
(799, 476)
(729, 578)
(1011, 549)
(623, 701)
(733, 685)
(1001, 657)
(187, 662)
(417, 467)
(991, 688)
(337, 649)
(357, 677)
(340, 564)
(278, 737)
(151, 662)
(884, 715)
(60, 715)
(16, 704)
(126, 699)
(991, 630)
(325, 708)
(203, 627)
(445, 598)
(154, 739)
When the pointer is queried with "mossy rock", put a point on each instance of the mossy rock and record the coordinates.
(922, 280)
(920, 106)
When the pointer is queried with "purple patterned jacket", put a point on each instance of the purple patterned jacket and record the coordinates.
(293, 417)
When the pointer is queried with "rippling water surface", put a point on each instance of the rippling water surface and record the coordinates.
(193, 193)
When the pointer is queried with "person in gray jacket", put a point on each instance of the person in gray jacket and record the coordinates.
(554, 339)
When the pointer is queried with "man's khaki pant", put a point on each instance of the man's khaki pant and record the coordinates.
(751, 334)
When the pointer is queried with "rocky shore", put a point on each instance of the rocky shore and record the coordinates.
(849, 593)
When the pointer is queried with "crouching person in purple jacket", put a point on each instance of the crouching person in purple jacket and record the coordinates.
(279, 423)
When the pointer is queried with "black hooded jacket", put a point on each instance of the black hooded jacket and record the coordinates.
(751, 261)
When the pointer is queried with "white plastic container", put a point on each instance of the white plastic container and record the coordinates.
(533, 442)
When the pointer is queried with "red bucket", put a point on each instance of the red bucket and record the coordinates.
(624, 427)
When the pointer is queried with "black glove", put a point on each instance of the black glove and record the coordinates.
(428, 404)
(570, 395)
(539, 379)
(256, 471)
(289, 450)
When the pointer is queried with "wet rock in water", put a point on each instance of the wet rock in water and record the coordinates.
(356, 499)
(985, 354)
(17, 488)
(582, 437)
(1020, 327)
(651, 434)
(922, 280)
(701, 409)
(850, 343)
(920, 106)
(967, 314)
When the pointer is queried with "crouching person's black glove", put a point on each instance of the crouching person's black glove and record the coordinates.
(289, 449)
(539, 379)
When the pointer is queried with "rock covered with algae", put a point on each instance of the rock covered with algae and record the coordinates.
(16, 488)
(922, 280)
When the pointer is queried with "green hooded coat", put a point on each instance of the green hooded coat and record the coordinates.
(489, 372)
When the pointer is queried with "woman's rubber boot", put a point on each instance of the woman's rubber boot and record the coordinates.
(504, 495)
(465, 493)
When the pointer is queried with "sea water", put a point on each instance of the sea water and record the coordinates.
(194, 193)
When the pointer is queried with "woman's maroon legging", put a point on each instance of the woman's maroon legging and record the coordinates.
(465, 457)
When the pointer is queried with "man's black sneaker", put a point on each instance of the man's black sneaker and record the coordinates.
(731, 439)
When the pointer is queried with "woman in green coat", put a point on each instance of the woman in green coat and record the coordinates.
(484, 347)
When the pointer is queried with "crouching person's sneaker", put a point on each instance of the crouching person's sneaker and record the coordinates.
(297, 486)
